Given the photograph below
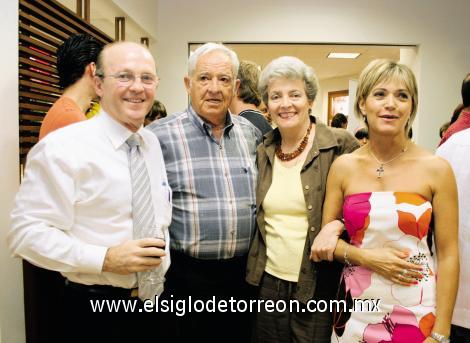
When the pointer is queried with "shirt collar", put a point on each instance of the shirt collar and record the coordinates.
(203, 126)
(116, 132)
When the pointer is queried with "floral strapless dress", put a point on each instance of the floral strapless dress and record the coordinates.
(405, 313)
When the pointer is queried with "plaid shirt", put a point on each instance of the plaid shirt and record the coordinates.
(214, 185)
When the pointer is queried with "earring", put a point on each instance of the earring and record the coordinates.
(365, 119)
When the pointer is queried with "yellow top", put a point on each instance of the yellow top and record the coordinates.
(285, 215)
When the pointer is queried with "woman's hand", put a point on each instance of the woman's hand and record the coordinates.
(391, 264)
(324, 244)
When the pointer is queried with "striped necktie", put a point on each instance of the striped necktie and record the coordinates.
(143, 216)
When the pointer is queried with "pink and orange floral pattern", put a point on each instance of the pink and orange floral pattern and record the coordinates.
(406, 313)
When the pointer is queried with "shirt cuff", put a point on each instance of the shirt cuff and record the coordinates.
(92, 259)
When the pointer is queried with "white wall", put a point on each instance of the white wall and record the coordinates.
(439, 28)
(11, 294)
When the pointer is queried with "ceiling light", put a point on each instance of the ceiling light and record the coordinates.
(351, 55)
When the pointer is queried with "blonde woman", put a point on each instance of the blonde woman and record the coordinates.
(388, 192)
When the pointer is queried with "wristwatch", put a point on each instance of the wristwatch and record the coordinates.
(440, 338)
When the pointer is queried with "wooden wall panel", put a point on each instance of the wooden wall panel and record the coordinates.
(43, 26)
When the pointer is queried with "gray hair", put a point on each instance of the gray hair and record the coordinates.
(208, 47)
(291, 68)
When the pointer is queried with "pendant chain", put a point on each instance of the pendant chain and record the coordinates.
(380, 170)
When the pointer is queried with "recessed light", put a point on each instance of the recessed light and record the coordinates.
(350, 55)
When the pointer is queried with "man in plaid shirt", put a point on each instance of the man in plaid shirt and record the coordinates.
(210, 160)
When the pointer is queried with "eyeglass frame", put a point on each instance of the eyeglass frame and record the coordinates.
(132, 79)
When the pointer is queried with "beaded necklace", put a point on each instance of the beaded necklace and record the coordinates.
(291, 155)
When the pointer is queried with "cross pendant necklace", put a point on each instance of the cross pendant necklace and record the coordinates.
(380, 169)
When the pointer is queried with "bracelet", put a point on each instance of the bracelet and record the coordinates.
(439, 338)
(345, 256)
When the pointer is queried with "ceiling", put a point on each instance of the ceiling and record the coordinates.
(315, 55)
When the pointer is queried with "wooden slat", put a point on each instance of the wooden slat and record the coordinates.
(97, 33)
(32, 117)
(31, 128)
(79, 8)
(37, 54)
(39, 86)
(39, 76)
(34, 107)
(50, 49)
(59, 24)
(33, 21)
(31, 95)
(29, 139)
(25, 28)
(62, 18)
(38, 65)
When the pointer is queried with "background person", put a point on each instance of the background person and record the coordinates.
(293, 162)
(76, 64)
(463, 120)
(247, 101)
(443, 129)
(158, 111)
(210, 159)
(387, 212)
(362, 135)
(83, 222)
(339, 120)
(456, 151)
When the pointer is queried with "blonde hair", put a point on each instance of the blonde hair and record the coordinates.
(383, 70)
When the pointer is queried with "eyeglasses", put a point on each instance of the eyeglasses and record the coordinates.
(126, 78)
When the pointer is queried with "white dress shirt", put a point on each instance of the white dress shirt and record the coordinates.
(456, 150)
(76, 200)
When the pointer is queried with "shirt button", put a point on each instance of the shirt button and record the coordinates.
(312, 228)
(309, 207)
(307, 187)
(319, 188)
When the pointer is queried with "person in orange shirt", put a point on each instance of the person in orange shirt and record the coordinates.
(76, 59)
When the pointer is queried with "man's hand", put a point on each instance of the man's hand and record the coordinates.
(134, 256)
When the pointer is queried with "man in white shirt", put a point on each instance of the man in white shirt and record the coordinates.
(456, 150)
(74, 210)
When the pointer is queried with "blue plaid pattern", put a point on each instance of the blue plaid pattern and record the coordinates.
(214, 200)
